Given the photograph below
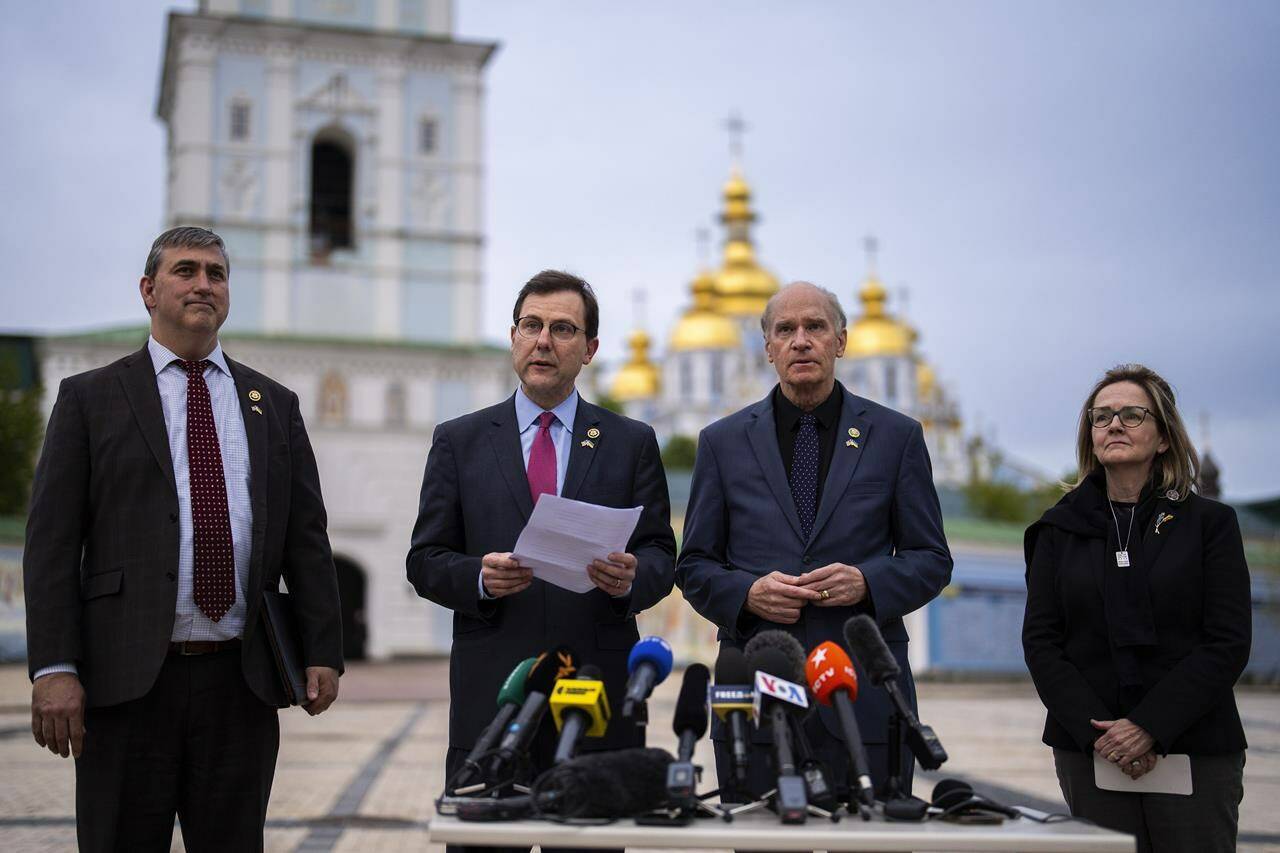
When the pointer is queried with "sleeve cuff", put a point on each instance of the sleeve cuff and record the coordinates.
(57, 667)
(484, 593)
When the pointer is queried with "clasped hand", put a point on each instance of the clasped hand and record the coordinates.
(779, 597)
(1126, 745)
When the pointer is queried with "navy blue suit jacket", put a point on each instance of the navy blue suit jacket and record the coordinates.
(475, 500)
(879, 512)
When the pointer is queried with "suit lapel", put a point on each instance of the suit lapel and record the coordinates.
(844, 457)
(763, 436)
(254, 414)
(582, 455)
(505, 439)
(139, 380)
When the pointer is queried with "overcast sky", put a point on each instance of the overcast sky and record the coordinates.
(1061, 186)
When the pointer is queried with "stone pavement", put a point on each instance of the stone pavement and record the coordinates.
(363, 776)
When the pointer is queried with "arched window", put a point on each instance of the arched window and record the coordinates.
(397, 406)
(333, 400)
(332, 193)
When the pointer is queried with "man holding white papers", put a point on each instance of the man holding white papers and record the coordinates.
(485, 472)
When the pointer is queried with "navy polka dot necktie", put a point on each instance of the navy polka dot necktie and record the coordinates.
(215, 586)
(804, 472)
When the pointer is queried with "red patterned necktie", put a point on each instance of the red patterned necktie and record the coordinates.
(542, 459)
(215, 584)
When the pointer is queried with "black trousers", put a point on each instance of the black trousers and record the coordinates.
(199, 745)
(1204, 822)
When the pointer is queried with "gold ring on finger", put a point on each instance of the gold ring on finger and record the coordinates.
(826, 594)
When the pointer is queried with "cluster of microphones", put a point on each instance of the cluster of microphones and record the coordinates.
(771, 684)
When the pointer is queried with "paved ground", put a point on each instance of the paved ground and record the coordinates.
(362, 776)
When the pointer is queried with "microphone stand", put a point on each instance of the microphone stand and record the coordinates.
(897, 805)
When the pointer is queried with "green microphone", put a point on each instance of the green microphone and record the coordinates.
(510, 698)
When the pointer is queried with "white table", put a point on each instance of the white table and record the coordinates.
(764, 832)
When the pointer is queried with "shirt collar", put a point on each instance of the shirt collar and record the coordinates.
(162, 356)
(527, 411)
(788, 413)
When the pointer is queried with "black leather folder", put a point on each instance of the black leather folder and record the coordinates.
(286, 644)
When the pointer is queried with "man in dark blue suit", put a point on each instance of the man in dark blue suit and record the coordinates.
(807, 508)
(484, 473)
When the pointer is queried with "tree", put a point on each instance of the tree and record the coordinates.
(679, 453)
(20, 435)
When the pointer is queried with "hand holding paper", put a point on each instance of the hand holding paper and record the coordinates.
(564, 537)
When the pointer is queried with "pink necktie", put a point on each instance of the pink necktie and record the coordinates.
(542, 459)
(215, 584)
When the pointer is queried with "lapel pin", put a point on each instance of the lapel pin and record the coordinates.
(255, 395)
(255, 409)
(1163, 517)
(853, 433)
(851, 443)
(593, 433)
(586, 442)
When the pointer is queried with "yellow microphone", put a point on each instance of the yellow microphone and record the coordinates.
(580, 709)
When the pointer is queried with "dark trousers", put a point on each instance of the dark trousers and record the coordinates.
(199, 745)
(1204, 822)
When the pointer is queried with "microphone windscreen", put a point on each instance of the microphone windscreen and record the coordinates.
(654, 650)
(732, 667)
(950, 792)
(549, 668)
(829, 669)
(621, 783)
(786, 645)
(512, 690)
(865, 640)
(590, 672)
(691, 706)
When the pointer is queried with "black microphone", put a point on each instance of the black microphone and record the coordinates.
(549, 667)
(778, 697)
(731, 700)
(868, 645)
(689, 724)
(510, 697)
(956, 798)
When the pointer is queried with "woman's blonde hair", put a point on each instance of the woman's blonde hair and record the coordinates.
(1177, 469)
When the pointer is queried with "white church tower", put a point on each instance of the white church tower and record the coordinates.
(336, 145)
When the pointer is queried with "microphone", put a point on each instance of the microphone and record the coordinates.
(510, 698)
(550, 666)
(776, 698)
(689, 724)
(956, 799)
(580, 708)
(648, 665)
(864, 639)
(732, 701)
(830, 675)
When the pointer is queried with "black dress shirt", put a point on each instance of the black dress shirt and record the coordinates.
(786, 418)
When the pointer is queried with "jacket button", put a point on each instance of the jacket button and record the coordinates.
(171, 576)
(807, 559)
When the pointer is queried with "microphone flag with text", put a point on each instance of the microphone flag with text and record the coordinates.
(778, 696)
(733, 701)
(648, 665)
(689, 724)
(510, 698)
(833, 680)
(580, 709)
(514, 746)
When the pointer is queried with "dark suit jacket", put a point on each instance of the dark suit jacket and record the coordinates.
(101, 556)
(1200, 601)
(475, 500)
(879, 512)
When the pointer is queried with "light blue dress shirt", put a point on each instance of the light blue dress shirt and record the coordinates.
(527, 413)
(171, 380)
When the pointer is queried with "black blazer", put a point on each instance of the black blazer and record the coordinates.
(101, 557)
(475, 500)
(1199, 591)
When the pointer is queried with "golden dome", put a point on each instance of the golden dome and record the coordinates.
(876, 333)
(702, 327)
(638, 378)
(742, 286)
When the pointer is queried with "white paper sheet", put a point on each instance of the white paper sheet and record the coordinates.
(563, 536)
(1171, 775)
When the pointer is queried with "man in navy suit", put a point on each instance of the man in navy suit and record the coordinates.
(484, 473)
(807, 508)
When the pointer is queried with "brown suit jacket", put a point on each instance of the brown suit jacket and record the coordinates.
(101, 557)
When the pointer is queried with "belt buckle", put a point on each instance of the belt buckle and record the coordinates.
(182, 649)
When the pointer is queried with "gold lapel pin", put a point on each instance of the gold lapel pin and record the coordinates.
(586, 442)
(853, 432)
(1162, 519)
(255, 409)
(593, 433)
(851, 443)
(255, 395)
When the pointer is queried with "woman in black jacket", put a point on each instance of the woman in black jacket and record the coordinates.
(1138, 622)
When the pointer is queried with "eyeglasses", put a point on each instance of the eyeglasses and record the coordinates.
(561, 330)
(1131, 417)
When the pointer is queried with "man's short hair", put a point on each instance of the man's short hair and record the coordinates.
(835, 313)
(184, 237)
(554, 281)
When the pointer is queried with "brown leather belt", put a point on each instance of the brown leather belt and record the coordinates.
(202, 647)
